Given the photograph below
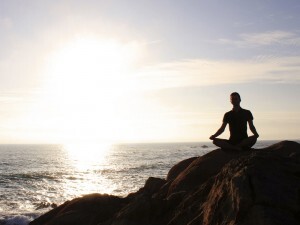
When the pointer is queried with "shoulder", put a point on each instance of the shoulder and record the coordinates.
(227, 116)
(247, 113)
(228, 113)
(245, 110)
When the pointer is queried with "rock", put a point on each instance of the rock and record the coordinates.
(143, 210)
(260, 188)
(203, 168)
(230, 188)
(153, 185)
(43, 205)
(179, 167)
(90, 209)
(247, 188)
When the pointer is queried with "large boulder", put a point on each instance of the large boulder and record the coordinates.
(260, 187)
(90, 209)
(202, 168)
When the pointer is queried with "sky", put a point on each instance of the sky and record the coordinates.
(146, 71)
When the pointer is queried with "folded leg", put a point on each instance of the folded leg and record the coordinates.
(224, 144)
(247, 142)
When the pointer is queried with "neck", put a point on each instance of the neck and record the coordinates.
(236, 108)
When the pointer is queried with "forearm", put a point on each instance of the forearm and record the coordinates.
(253, 130)
(219, 132)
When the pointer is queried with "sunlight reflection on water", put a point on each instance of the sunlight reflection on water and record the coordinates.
(84, 160)
(87, 155)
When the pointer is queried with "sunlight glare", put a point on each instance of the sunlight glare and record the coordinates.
(85, 81)
(86, 155)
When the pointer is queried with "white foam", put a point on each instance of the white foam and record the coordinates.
(18, 220)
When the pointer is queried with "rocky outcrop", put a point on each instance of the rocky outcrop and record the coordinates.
(259, 187)
(90, 209)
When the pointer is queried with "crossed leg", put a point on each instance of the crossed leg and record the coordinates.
(246, 143)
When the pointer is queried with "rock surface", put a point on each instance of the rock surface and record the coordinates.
(259, 187)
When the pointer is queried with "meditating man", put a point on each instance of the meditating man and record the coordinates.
(237, 119)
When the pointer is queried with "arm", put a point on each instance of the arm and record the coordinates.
(252, 128)
(220, 131)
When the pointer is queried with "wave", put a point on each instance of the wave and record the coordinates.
(32, 176)
(17, 219)
(129, 169)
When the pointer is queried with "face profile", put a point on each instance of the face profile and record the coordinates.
(235, 99)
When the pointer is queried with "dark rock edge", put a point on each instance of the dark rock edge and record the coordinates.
(261, 186)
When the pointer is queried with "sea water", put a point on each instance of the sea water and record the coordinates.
(35, 178)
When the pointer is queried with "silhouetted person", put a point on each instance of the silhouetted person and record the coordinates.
(237, 119)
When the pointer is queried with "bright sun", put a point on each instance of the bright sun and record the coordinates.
(85, 80)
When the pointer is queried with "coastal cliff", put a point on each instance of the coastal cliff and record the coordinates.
(260, 186)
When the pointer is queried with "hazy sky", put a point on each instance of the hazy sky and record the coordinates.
(139, 70)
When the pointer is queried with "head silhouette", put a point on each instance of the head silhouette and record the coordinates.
(235, 99)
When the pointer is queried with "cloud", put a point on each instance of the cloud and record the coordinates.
(202, 72)
(277, 37)
(267, 38)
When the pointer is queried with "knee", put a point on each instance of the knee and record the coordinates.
(253, 138)
(216, 141)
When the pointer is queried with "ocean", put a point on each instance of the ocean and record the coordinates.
(33, 178)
